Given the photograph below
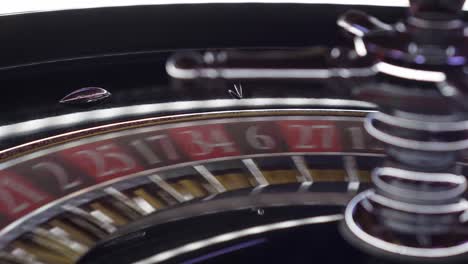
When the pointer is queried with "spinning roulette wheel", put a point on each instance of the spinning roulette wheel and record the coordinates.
(229, 133)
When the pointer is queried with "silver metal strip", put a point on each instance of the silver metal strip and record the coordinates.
(168, 188)
(255, 171)
(352, 173)
(125, 200)
(82, 213)
(301, 166)
(258, 189)
(305, 186)
(411, 74)
(205, 173)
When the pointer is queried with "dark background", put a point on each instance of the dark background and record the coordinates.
(37, 37)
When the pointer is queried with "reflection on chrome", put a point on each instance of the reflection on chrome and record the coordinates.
(211, 72)
(86, 117)
(411, 74)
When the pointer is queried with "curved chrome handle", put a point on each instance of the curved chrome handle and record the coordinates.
(306, 64)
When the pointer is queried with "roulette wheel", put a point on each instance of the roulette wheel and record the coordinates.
(230, 133)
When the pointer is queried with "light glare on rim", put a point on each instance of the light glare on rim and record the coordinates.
(54, 122)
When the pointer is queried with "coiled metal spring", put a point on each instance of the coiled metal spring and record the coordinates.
(417, 194)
